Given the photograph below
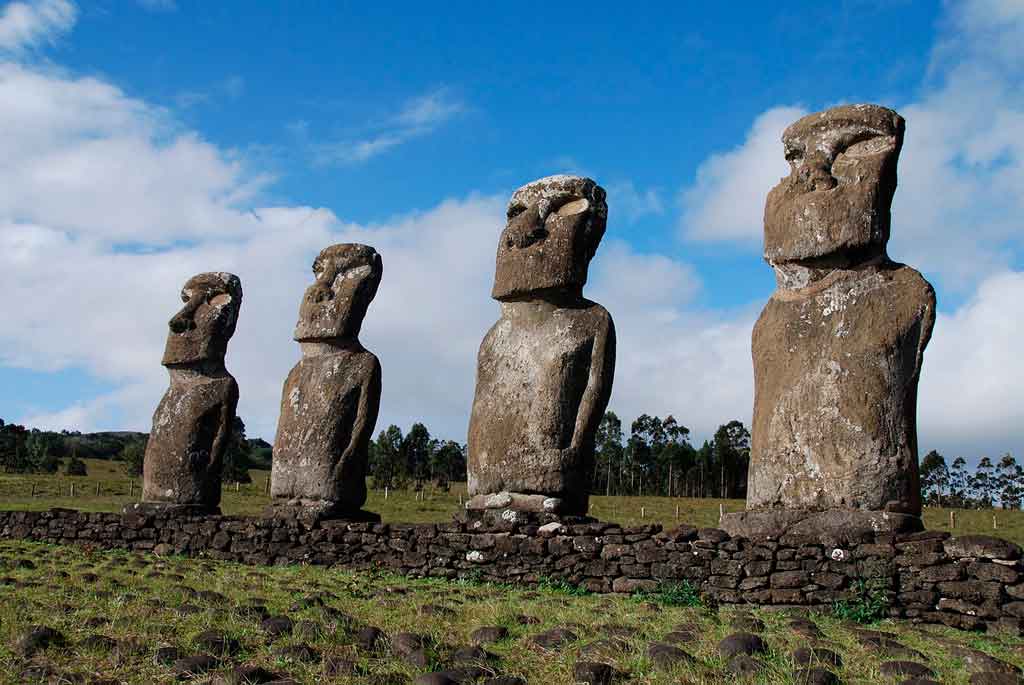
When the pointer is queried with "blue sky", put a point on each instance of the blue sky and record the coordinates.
(152, 140)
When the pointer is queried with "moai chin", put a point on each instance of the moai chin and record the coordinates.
(838, 349)
(192, 424)
(331, 397)
(545, 369)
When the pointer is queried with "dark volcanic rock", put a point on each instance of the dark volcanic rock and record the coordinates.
(908, 668)
(665, 656)
(37, 639)
(741, 643)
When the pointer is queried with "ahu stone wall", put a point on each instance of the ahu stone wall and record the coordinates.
(969, 582)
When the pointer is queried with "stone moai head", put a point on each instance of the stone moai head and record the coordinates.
(201, 330)
(553, 230)
(834, 207)
(333, 307)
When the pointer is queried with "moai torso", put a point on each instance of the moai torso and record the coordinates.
(838, 349)
(191, 429)
(531, 419)
(545, 369)
(330, 399)
(193, 423)
(835, 370)
(328, 411)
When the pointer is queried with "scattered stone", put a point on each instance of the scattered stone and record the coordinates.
(908, 668)
(810, 656)
(488, 634)
(166, 655)
(276, 626)
(297, 652)
(246, 675)
(544, 370)
(554, 638)
(191, 666)
(505, 680)
(370, 639)
(524, 620)
(665, 656)
(593, 673)
(217, 643)
(995, 679)
(976, 661)
(741, 643)
(815, 676)
(744, 666)
(98, 643)
(679, 637)
(37, 639)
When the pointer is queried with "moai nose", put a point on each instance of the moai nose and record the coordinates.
(816, 173)
(184, 320)
(526, 229)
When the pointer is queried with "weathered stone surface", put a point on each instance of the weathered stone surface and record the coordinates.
(544, 370)
(193, 422)
(838, 348)
(330, 399)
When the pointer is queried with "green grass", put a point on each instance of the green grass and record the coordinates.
(435, 505)
(137, 598)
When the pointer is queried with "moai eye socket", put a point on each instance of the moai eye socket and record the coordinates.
(515, 210)
(575, 207)
(794, 154)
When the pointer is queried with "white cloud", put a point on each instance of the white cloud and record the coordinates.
(418, 117)
(26, 25)
(89, 159)
(970, 393)
(632, 204)
(727, 200)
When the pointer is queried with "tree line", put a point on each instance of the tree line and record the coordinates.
(953, 485)
(657, 458)
(24, 450)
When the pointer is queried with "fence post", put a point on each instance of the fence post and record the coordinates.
(266, 486)
(952, 520)
(72, 490)
(677, 512)
(33, 489)
(131, 489)
(385, 492)
(721, 512)
(643, 512)
(97, 488)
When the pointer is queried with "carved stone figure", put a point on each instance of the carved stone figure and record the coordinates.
(544, 370)
(331, 397)
(193, 422)
(838, 349)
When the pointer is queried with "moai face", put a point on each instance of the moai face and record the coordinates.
(333, 307)
(834, 205)
(201, 330)
(553, 230)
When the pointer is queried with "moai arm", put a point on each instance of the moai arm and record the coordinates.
(366, 415)
(599, 384)
(225, 426)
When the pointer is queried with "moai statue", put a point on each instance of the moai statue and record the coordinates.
(544, 371)
(838, 349)
(331, 397)
(192, 424)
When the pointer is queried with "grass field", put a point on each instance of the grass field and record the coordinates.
(125, 618)
(434, 505)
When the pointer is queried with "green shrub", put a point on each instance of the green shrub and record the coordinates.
(869, 604)
(680, 593)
